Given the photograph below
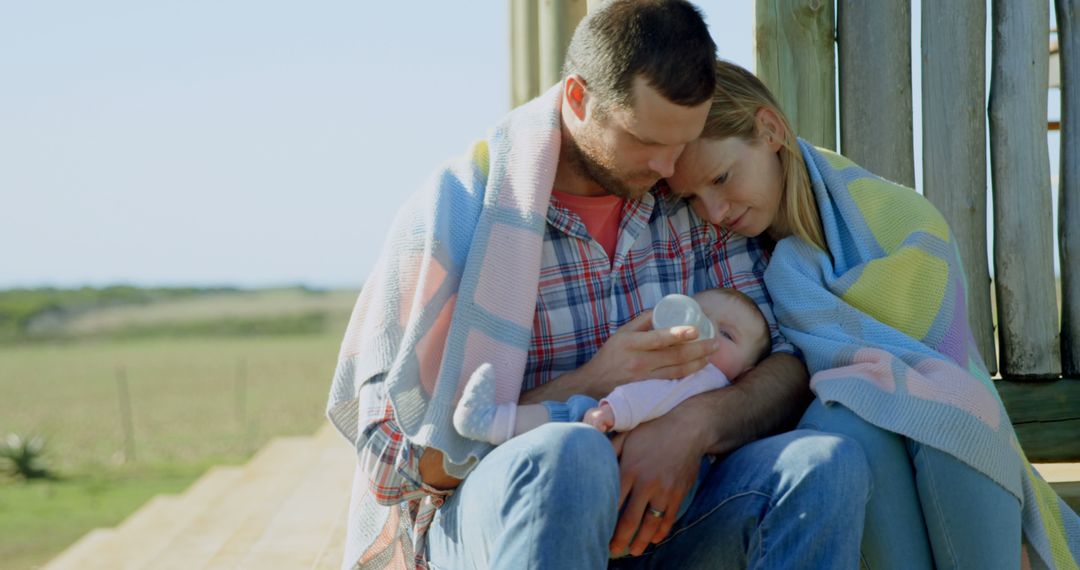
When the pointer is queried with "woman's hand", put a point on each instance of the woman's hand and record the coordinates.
(637, 352)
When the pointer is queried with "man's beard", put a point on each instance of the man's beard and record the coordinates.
(586, 161)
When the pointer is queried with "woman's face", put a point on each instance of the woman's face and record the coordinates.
(732, 183)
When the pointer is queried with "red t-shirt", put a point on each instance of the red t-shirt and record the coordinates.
(600, 214)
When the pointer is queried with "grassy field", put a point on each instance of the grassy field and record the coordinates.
(195, 401)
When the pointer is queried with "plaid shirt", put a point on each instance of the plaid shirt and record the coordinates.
(583, 297)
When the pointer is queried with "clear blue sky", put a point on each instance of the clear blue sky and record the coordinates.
(240, 142)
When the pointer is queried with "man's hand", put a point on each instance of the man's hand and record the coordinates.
(635, 352)
(658, 463)
(659, 460)
(432, 472)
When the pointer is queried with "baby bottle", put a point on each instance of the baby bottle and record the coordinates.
(674, 310)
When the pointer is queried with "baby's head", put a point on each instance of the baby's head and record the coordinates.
(740, 327)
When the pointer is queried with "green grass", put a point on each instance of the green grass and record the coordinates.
(189, 397)
(195, 402)
(40, 519)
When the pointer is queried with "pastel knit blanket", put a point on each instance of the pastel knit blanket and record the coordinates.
(453, 295)
(881, 318)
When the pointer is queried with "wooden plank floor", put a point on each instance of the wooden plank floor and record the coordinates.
(235, 517)
(1065, 479)
(285, 509)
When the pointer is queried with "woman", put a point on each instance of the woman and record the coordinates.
(866, 280)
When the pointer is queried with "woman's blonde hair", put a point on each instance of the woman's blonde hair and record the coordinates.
(736, 101)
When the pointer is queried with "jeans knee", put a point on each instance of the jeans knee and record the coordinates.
(848, 460)
(837, 418)
(832, 464)
(849, 469)
(577, 460)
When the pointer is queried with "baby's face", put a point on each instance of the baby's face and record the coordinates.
(739, 330)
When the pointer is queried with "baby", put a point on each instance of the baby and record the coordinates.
(733, 317)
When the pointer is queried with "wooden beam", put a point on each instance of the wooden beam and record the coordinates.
(1023, 244)
(874, 40)
(1046, 416)
(557, 21)
(793, 41)
(1068, 18)
(524, 51)
(954, 145)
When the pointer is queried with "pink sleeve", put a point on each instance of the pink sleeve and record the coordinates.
(639, 402)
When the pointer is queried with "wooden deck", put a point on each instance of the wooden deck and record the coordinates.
(1065, 478)
(285, 509)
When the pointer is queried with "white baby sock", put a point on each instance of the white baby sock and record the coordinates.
(478, 417)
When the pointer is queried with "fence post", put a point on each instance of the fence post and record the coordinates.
(240, 392)
(1023, 245)
(793, 42)
(1068, 13)
(524, 51)
(874, 41)
(126, 422)
(557, 21)
(954, 144)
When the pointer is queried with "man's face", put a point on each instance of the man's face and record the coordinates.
(627, 150)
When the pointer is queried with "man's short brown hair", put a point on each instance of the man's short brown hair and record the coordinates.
(664, 41)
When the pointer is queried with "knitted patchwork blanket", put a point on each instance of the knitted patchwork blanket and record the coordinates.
(453, 295)
(881, 318)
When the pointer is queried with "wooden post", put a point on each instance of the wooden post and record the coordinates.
(954, 144)
(524, 51)
(874, 40)
(1023, 245)
(793, 41)
(557, 21)
(1068, 18)
(240, 392)
(126, 422)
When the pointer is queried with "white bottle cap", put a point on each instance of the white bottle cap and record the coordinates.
(675, 310)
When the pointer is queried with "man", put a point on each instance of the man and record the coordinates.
(532, 262)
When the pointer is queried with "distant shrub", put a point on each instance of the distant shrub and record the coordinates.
(23, 456)
(290, 324)
(20, 307)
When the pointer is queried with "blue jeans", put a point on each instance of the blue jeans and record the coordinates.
(926, 508)
(548, 499)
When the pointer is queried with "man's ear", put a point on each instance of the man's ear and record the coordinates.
(770, 128)
(574, 92)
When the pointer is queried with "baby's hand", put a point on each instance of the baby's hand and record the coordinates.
(601, 418)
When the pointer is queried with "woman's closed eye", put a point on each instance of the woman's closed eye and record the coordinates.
(720, 179)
